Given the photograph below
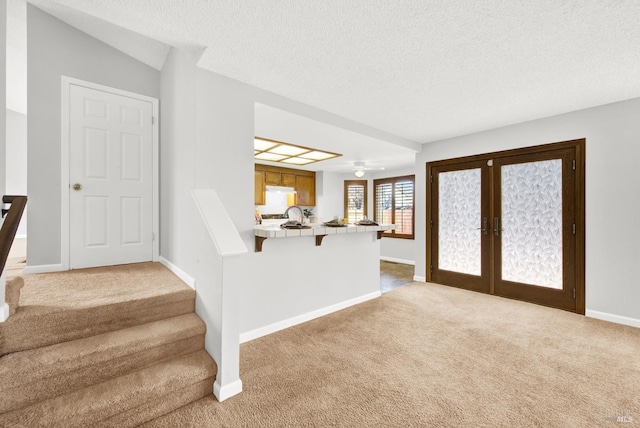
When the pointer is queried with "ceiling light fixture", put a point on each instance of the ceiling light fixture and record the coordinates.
(359, 169)
(277, 151)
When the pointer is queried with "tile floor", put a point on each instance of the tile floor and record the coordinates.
(394, 275)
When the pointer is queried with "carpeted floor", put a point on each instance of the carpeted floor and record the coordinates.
(434, 356)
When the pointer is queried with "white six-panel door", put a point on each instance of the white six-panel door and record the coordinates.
(111, 178)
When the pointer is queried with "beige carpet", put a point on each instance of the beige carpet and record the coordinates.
(433, 356)
(63, 306)
(112, 347)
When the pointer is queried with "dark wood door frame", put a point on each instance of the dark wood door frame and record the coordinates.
(579, 146)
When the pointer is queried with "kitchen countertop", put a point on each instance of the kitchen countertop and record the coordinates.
(266, 231)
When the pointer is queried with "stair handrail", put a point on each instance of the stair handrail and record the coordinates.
(10, 225)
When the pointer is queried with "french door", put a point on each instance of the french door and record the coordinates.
(511, 224)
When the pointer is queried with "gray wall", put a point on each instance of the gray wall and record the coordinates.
(16, 160)
(3, 91)
(612, 133)
(56, 49)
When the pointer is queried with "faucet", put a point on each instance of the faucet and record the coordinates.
(286, 213)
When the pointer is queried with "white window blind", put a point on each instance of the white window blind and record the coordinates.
(355, 200)
(394, 200)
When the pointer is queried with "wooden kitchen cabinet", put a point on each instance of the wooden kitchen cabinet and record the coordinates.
(304, 182)
(272, 178)
(259, 188)
(306, 190)
(288, 180)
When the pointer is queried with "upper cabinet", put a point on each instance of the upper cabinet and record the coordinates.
(288, 180)
(259, 189)
(272, 178)
(306, 190)
(304, 182)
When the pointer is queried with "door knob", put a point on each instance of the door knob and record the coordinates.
(484, 226)
(77, 186)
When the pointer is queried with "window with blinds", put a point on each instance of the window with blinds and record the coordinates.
(393, 204)
(355, 200)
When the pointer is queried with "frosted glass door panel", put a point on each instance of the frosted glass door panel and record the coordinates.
(458, 219)
(532, 223)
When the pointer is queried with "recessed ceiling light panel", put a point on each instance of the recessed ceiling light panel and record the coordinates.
(297, 161)
(270, 156)
(262, 145)
(285, 149)
(318, 155)
(277, 151)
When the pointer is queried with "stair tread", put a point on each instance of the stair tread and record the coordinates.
(86, 288)
(64, 306)
(105, 400)
(36, 364)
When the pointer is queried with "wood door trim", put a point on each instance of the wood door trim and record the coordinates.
(580, 215)
(511, 152)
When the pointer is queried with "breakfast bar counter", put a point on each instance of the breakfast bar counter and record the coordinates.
(318, 230)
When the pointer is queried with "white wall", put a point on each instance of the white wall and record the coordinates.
(4, 308)
(612, 135)
(55, 49)
(3, 94)
(329, 195)
(16, 161)
(394, 249)
(224, 130)
(292, 278)
(207, 125)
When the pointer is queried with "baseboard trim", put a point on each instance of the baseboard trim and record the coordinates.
(27, 270)
(188, 279)
(618, 319)
(21, 236)
(394, 260)
(419, 278)
(222, 392)
(290, 322)
(4, 312)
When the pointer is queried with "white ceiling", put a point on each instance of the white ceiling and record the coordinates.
(423, 70)
(284, 126)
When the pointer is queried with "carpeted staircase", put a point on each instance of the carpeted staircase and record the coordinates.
(115, 346)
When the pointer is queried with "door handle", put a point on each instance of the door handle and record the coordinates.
(496, 226)
(77, 186)
(484, 227)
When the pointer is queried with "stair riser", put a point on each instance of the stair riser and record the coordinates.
(156, 408)
(106, 400)
(63, 383)
(70, 325)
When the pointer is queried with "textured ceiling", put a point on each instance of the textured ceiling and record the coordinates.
(284, 126)
(420, 69)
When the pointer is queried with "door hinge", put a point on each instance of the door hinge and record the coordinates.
(574, 293)
(153, 236)
(574, 228)
(573, 164)
(431, 268)
(153, 120)
(431, 179)
(431, 223)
